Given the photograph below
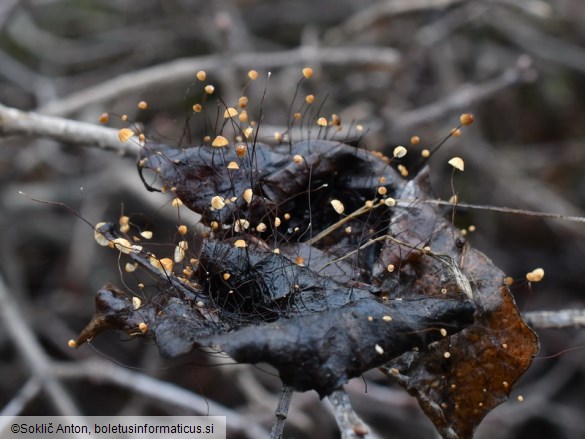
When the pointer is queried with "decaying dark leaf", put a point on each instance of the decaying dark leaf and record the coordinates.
(464, 377)
(302, 188)
(317, 273)
(318, 351)
(316, 331)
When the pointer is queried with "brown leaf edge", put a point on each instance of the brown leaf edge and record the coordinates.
(463, 377)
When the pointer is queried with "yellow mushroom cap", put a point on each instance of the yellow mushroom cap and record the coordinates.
(466, 119)
(219, 141)
(399, 152)
(338, 206)
(125, 134)
(230, 112)
(535, 275)
(457, 163)
(247, 196)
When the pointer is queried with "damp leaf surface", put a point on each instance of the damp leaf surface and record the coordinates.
(324, 293)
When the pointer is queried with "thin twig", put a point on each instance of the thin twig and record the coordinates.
(169, 393)
(349, 423)
(16, 122)
(539, 44)
(367, 17)
(184, 70)
(522, 189)
(341, 222)
(26, 393)
(562, 319)
(38, 362)
(281, 413)
(578, 219)
(424, 401)
(540, 404)
(465, 96)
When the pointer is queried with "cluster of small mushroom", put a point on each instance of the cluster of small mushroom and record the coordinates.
(245, 130)
(165, 266)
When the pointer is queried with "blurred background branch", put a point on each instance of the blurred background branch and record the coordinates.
(399, 68)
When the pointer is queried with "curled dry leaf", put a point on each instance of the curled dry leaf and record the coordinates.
(441, 321)
(486, 358)
(251, 326)
(199, 174)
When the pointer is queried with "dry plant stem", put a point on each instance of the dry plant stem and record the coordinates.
(462, 98)
(339, 223)
(105, 371)
(26, 393)
(25, 78)
(16, 122)
(521, 189)
(438, 31)
(184, 70)
(540, 44)
(445, 430)
(578, 219)
(533, 8)
(281, 413)
(5, 10)
(367, 17)
(37, 41)
(349, 423)
(566, 318)
(37, 361)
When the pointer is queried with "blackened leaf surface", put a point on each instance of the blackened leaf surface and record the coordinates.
(303, 189)
(339, 312)
(317, 331)
(315, 351)
(199, 173)
(322, 351)
(265, 284)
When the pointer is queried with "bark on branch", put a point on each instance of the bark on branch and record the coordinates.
(17, 122)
